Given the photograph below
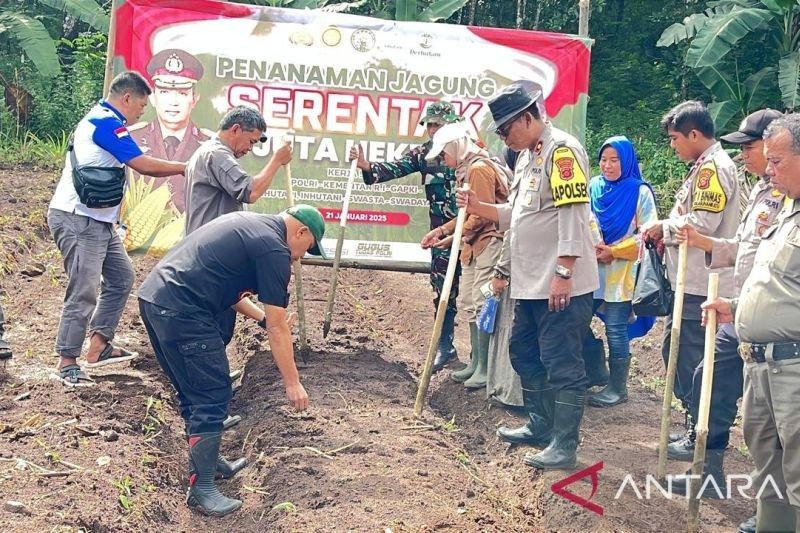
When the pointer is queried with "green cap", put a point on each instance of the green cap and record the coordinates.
(441, 112)
(312, 218)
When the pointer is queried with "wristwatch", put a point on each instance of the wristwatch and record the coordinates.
(563, 272)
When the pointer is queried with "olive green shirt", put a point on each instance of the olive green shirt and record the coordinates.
(768, 309)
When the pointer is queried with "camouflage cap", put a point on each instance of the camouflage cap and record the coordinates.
(441, 112)
(174, 69)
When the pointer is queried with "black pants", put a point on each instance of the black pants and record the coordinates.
(690, 351)
(545, 342)
(726, 389)
(192, 354)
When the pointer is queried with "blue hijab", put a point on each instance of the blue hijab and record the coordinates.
(614, 202)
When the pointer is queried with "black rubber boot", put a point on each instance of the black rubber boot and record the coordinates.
(561, 453)
(225, 469)
(594, 359)
(203, 494)
(446, 351)
(616, 391)
(460, 376)
(5, 348)
(478, 378)
(711, 467)
(230, 421)
(748, 526)
(538, 397)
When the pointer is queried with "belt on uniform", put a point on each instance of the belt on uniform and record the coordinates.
(773, 351)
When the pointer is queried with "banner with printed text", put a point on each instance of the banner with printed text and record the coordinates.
(328, 80)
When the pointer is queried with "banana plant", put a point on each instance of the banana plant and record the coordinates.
(714, 32)
(21, 22)
(733, 98)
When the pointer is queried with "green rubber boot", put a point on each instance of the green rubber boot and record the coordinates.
(478, 378)
(460, 376)
(561, 453)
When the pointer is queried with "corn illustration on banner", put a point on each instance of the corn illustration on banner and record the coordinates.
(331, 79)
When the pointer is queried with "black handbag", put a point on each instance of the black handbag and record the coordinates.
(652, 295)
(97, 187)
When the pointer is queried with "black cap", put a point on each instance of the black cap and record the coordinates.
(752, 127)
(511, 101)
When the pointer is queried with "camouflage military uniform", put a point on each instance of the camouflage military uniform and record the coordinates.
(440, 189)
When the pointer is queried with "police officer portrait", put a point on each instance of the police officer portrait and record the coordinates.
(172, 134)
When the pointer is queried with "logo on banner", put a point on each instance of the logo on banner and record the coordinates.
(363, 40)
(426, 40)
(332, 36)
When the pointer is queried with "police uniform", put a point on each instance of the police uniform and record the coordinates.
(547, 217)
(708, 200)
(172, 69)
(769, 331)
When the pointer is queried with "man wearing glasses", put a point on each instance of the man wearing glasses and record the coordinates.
(553, 272)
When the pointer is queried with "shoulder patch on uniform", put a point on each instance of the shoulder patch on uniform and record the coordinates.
(567, 179)
(708, 194)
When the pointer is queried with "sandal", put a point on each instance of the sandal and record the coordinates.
(73, 376)
(107, 356)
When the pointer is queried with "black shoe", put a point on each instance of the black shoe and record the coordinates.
(561, 453)
(616, 391)
(446, 352)
(748, 526)
(231, 421)
(594, 359)
(681, 450)
(203, 494)
(538, 397)
(712, 467)
(5, 350)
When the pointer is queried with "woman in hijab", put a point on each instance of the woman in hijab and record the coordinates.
(482, 241)
(621, 201)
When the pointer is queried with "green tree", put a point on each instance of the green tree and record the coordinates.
(771, 27)
(28, 29)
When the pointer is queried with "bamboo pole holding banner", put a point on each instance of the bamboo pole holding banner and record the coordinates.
(112, 35)
(326, 326)
(701, 428)
(298, 272)
(583, 18)
(427, 370)
(672, 363)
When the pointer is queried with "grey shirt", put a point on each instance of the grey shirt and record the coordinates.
(769, 306)
(709, 201)
(217, 184)
(548, 217)
(763, 207)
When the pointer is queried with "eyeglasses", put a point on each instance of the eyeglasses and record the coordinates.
(503, 130)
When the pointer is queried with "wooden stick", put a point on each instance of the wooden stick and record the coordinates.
(326, 326)
(701, 428)
(298, 273)
(112, 35)
(427, 370)
(672, 363)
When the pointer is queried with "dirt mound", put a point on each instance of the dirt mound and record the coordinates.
(113, 458)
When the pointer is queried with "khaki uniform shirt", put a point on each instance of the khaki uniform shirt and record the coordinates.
(548, 215)
(762, 209)
(218, 184)
(709, 201)
(768, 309)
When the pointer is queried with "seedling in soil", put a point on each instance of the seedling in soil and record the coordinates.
(125, 488)
(451, 426)
(289, 507)
(463, 458)
(153, 417)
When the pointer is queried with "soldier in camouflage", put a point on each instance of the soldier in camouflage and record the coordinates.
(440, 185)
